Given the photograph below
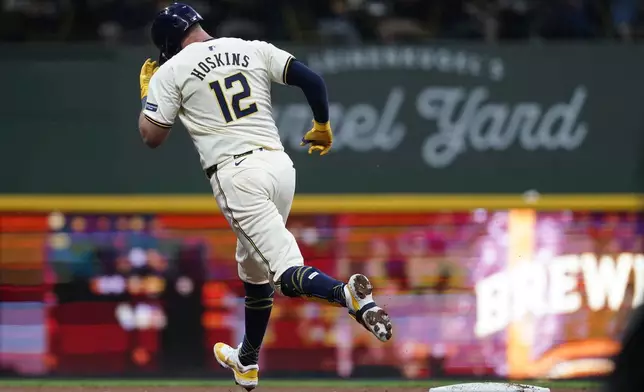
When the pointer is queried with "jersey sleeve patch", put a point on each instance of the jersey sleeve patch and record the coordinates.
(151, 106)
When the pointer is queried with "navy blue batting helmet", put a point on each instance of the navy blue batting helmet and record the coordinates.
(170, 26)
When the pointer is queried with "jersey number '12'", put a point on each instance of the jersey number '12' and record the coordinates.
(236, 99)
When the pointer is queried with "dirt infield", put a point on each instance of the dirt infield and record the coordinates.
(234, 389)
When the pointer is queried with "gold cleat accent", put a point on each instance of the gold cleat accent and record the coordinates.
(364, 310)
(245, 376)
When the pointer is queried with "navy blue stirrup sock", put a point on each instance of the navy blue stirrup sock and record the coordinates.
(310, 282)
(259, 303)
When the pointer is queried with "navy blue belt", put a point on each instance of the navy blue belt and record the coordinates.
(213, 169)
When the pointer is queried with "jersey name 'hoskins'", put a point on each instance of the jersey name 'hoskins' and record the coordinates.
(219, 60)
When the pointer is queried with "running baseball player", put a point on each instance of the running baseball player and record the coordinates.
(220, 88)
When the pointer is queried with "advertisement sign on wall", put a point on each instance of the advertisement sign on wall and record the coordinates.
(490, 293)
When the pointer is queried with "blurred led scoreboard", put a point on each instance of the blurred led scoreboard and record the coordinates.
(510, 292)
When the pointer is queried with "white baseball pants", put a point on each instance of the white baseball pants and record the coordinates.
(255, 193)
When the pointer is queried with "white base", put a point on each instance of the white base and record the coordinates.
(489, 387)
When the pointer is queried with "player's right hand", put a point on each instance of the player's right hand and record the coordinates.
(320, 138)
(147, 70)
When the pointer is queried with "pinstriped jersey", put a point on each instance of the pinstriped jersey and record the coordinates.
(221, 91)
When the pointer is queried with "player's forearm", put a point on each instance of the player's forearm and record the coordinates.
(143, 130)
(151, 134)
(313, 87)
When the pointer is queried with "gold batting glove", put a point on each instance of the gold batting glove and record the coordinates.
(320, 138)
(147, 70)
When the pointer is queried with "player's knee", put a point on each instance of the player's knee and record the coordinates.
(259, 295)
(289, 284)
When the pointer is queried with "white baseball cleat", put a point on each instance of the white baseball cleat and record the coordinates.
(363, 308)
(245, 376)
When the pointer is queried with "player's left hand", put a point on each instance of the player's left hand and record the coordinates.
(147, 70)
(320, 138)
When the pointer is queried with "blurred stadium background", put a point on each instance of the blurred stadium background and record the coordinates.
(487, 174)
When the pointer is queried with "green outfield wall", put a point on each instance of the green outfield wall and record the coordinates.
(441, 118)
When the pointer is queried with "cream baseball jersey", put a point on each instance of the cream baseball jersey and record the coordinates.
(221, 91)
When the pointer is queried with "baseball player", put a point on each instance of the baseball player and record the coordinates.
(220, 88)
